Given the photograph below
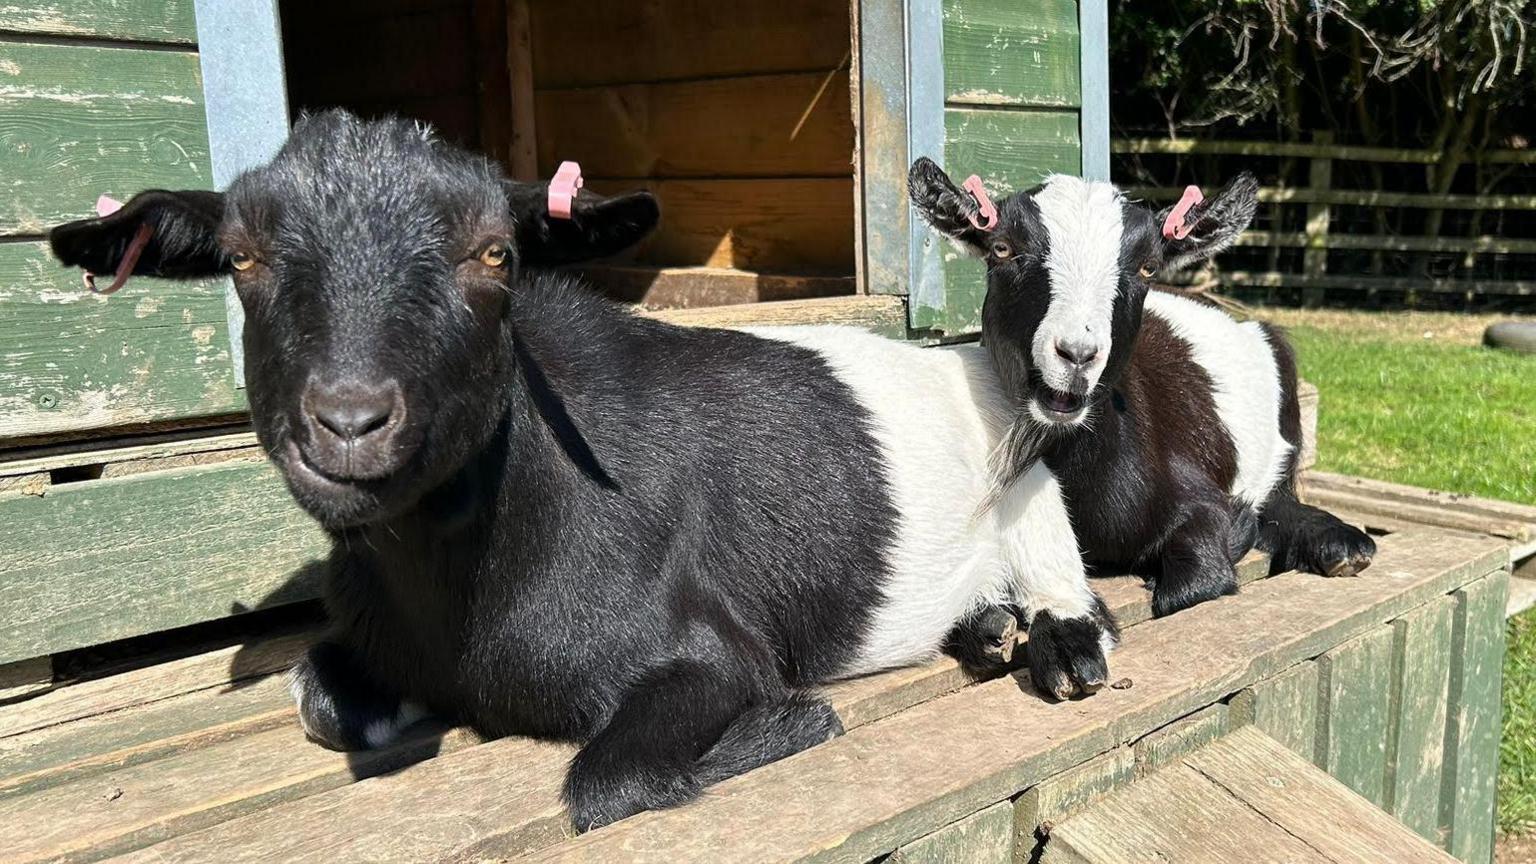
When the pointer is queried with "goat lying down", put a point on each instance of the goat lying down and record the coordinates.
(1172, 429)
(552, 517)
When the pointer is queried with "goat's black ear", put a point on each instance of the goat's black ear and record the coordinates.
(1216, 222)
(598, 226)
(182, 242)
(945, 206)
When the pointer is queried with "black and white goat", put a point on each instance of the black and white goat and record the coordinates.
(553, 517)
(1168, 424)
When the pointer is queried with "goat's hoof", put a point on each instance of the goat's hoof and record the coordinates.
(986, 642)
(1067, 655)
(1343, 550)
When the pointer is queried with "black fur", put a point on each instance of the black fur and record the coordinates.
(1065, 659)
(577, 523)
(1147, 478)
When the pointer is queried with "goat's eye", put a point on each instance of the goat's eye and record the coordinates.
(1001, 249)
(494, 255)
(241, 261)
(1148, 270)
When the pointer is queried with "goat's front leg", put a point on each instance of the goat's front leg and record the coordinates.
(1071, 631)
(681, 727)
(1198, 560)
(340, 707)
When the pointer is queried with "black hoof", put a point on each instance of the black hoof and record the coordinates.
(1342, 550)
(985, 642)
(1067, 655)
(338, 710)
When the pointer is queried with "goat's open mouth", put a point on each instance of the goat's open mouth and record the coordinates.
(1058, 405)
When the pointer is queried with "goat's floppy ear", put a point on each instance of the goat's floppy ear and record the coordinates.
(1213, 224)
(598, 226)
(182, 239)
(945, 206)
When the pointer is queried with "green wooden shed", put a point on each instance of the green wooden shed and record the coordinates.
(156, 580)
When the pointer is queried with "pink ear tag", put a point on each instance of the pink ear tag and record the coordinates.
(563, 189)
(106, 206)
(1174, 227)
(988, 219)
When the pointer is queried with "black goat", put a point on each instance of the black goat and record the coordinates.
(1169, 425)
(553, 517)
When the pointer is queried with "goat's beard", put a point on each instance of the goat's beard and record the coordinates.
(1021, 447)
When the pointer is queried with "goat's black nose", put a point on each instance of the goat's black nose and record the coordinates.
(1077, 353)
(353, 410)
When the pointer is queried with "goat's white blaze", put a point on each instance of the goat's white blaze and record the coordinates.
(1246, 387)
(1083, 224)
(937, 414)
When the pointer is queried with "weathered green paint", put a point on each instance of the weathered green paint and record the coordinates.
(1355, 703)
(74, 361)
(1421, 661)
(101, 560)
(79, 121)
(993, 55)
(1010, 150)
(1058, 797)
(1284, 708)
(1180, 737)
(1472, 733)
(982, 838)
(169, 21)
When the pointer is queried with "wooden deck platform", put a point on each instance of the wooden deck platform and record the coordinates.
(201, 758)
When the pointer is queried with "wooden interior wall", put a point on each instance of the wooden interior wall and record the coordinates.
(737, 116)
(442, 61)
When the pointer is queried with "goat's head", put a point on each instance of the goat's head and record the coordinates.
(1068, 267)
(375, 264)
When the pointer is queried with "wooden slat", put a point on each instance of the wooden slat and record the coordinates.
(1416, 741)
(1469, 788)
(1285, 708)
(1175, 815)
(1180, 737)
(1055, 798)
(981, 838)
(1305, 150)
(25, 677)
(94, 453)
(1395, 243)
(1307, 803)
(1011, 150)
(636, 41)
(92, 562)
(993, 55)
(168, 21)
(802, 226)
(1361, 198)
(81, 122)
(885, 315)
(883, 785)
(74, 361)
(756, 126)
(699, 287)
(1245, 279)
(1501, 518)
(115, 693)
(1355, 703)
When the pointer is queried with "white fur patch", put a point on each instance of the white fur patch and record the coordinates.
(1083, 225)
(938, 413)
(1246, 382)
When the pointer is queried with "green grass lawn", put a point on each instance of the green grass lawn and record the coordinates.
(1413, 398)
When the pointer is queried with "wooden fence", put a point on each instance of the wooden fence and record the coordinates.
(1457, 260)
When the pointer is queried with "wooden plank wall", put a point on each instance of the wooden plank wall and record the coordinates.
(1012, 92)
(87, 113)
(737, 115)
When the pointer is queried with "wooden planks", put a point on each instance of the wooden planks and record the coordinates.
(993, 55)
(635, 41)
(1354, 705)
(785, 225)
(75, 361)
(1421, 654)
(758, 126)
(1285, 708)
(97, 561)
(1472, 733)
(169, 21)
(84, 121)
(883, 785)
(982, 838)
(698, 287)
(1516, 522)
(1011, 150)
(1243, 798)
